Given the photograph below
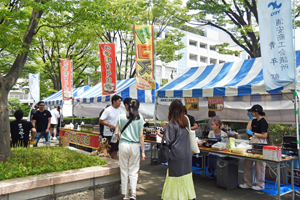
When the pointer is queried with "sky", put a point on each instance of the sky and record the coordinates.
(297, 32)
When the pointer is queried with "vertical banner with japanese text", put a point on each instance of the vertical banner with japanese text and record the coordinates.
(276, 42)
(34, 86)
(144, 47)
(108, 68)
(66, 79)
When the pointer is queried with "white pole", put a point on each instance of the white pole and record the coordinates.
(295, 91)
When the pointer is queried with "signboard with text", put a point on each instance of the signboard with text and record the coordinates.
(80, 138)
(215, 103)
(192, 103)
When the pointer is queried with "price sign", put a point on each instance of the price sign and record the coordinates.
(215, 103)
(192, 103)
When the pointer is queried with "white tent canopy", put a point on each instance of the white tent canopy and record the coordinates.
(56, 100)
(240, 83)
(91, 102)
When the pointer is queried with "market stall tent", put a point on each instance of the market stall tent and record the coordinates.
(240, 83)
(91, 102)
(56, 100)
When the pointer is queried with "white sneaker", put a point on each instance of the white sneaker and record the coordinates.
(51, 138)
(54, 138)
(244, 186)
(257, 187)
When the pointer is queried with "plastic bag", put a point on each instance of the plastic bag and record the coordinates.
(231, 144)
(114, 139)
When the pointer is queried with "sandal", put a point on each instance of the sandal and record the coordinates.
(133, 197)
(212, 177)
(125, 198)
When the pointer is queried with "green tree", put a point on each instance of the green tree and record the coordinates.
(75, 43)
(142, 12)
(20, 21)
(13, 104)
(238, 18)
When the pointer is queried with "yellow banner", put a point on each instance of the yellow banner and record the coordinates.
(144, 47)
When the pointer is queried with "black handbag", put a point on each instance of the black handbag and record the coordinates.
(164, 152)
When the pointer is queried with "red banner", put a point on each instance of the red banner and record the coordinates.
(108, 68)
(89, 140)
(66, 79)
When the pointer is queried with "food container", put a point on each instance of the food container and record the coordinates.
(220, 146)
(239, 150)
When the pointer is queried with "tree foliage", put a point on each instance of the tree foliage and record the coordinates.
(237, 18)
(240, 15)
(20, 21)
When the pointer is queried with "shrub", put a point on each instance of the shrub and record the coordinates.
(32, 161)
(25, 108)
(13, 104)
(86, 120)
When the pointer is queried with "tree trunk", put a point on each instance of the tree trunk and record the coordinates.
(4, 126)
(7, 82)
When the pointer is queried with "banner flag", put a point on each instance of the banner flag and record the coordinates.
(34, 86)
(276, 42)
(144, 48)
(66, 79)
(108, 68)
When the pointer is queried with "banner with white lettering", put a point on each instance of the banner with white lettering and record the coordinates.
(276, 42)
(108, 68)
(34, 86)
(66, 79)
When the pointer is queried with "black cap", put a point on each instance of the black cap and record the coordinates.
(36, 106)
(256, 108)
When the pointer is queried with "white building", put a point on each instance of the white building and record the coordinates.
(20, 92)
(200, 50)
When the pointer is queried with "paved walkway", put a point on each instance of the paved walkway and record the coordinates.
(153, 177)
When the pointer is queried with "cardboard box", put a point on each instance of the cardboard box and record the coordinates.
(63, 141)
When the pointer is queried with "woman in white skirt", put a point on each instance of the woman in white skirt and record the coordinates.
(131, 138)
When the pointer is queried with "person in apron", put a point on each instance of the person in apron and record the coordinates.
(258, 130)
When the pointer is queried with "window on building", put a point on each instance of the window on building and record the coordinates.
(212, 48)
(166, 35)
(170, 72)
(203, 59)
(221, 61)
(237, 55)
(203, 45)
(213, 61)
(193, 43)
(193, 57)
(158, 71)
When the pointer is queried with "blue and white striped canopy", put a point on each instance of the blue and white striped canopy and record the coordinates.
(56, 98)
(125, 88)
(227, 79)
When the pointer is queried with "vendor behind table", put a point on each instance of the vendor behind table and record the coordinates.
(257, 128)
(216, 132)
